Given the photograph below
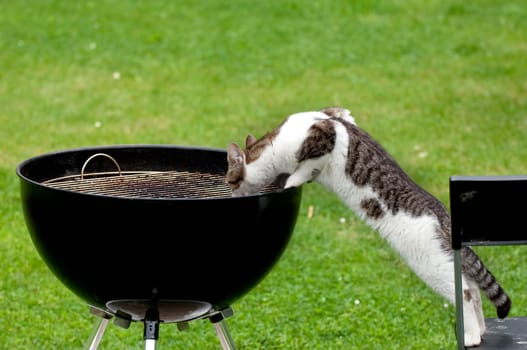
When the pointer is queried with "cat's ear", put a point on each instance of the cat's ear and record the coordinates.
(249, 141)
(235, 170)
(234, 154)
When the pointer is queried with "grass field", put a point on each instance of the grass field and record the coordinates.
(441, 84)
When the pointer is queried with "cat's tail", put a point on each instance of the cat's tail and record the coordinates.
(474, 268)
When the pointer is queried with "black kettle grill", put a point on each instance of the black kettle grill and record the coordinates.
(151, 233)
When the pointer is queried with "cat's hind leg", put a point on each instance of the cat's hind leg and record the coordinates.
(473, 322)
(472, 316)
(478, 306)
(437, 269)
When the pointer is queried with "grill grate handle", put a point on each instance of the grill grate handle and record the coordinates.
(100, 155)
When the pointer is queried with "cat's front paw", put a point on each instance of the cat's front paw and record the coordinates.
(472, 340)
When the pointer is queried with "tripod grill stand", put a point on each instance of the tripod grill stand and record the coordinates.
(180, 312)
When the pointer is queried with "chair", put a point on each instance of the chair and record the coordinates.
(488, 211)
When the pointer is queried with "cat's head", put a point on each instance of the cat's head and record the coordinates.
(248, 172)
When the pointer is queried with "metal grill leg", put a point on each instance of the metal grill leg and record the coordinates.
(99, 328)
(151, 329)
(150, 344)
(218, 320)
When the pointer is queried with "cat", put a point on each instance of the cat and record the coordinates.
(329, 148)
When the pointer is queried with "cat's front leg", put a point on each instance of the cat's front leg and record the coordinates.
(306, 171)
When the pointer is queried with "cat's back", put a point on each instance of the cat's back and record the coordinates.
(300, 123)
(294, 131)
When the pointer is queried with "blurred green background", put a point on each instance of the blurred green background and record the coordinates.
(442, 85)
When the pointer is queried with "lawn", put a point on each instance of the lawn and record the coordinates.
(442, 85)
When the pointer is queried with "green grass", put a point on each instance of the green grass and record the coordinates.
(441, 84)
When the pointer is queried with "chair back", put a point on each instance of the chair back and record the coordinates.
(488, 210)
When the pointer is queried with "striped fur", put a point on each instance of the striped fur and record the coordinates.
(474, 269)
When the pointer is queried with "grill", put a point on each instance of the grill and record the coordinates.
(151, 233)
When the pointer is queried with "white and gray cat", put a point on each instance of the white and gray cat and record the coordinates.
(328, 147)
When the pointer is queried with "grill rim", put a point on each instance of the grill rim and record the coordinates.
(119, 147)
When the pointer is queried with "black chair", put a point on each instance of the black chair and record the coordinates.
(488, 211)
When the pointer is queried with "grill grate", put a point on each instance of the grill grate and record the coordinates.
(149, 185)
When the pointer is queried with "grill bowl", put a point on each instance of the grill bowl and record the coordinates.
(110, 247)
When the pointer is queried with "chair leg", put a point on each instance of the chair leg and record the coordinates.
(460, 328)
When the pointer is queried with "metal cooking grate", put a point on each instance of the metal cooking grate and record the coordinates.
(166, 184)
(150, 185)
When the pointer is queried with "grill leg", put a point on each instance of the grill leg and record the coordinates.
(218, 320)
(151, 329)
(150, 344)
(99, 328)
